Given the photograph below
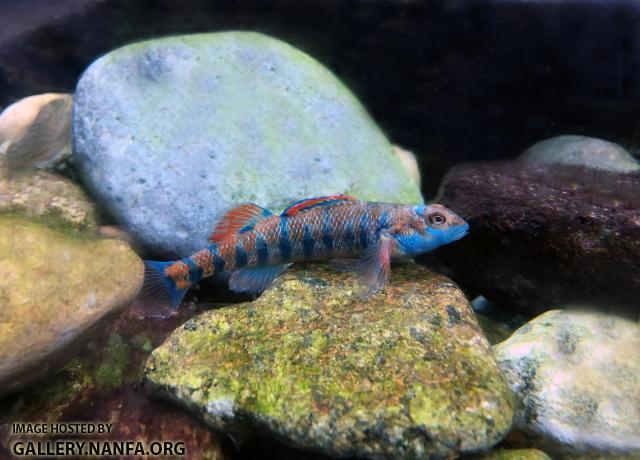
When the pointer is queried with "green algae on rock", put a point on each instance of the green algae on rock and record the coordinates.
(55, 288)
(48, 197)
(576, 377)
(169, 132)
(510, 454)
(404, 373)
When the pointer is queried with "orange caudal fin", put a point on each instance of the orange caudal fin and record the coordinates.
(309, 203)
(238, 220)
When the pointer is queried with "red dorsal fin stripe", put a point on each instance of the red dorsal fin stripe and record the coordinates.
(238, 219)
(309, 203)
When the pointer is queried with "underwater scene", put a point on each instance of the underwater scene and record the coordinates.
(320, 229)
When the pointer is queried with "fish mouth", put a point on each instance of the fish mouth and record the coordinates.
(460, 232)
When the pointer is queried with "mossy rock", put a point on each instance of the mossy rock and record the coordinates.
(51, 198)
(406, 373)
(511, 454)
(55, 288)
(169, 132)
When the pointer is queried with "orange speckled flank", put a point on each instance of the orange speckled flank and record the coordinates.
(268, 228)
(179, 273)
(249, 242)
(227, 250)
(204, 261)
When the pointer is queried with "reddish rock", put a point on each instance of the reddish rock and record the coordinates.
(541, 237)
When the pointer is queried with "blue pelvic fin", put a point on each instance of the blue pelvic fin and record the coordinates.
(238, 220)
(255, 279)
(158, 287)
(308, 203)
(374, 266)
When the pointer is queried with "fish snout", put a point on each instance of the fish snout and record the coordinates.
(461, 229)
(458, 221)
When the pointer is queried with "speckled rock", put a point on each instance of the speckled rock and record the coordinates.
(581, 150)
(54, 199)
(405, 374)
(55, 286)
(169, 132)
(545, 235)
(511, 454)
(576, 376)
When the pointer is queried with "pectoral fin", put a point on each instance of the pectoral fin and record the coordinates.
(375, 265)
(255, 279)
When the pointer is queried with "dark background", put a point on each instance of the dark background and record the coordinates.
(452, 80)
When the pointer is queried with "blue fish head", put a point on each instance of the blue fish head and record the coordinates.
(441, 226)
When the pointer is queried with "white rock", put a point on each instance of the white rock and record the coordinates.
(576, 376)
(581, 150)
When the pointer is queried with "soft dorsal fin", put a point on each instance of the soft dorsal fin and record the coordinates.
(308, 203)
(238, 220)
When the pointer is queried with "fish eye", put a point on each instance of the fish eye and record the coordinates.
(437, 219)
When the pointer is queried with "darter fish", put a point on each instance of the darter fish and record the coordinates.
(255, 246)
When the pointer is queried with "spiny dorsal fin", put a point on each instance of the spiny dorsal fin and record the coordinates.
(237, 220)
(309, 203)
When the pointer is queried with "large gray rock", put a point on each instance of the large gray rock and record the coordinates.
(404, 374)
(171, 131)
(576, 377)
(581, 150)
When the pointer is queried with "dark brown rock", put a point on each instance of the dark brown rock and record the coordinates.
(545, 236)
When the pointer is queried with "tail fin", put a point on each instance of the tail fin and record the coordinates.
(159, 287)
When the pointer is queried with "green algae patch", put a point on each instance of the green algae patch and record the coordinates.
(406, 373)
(511, 454)
(110, 372)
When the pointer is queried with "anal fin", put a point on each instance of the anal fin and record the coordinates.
(255, 279)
